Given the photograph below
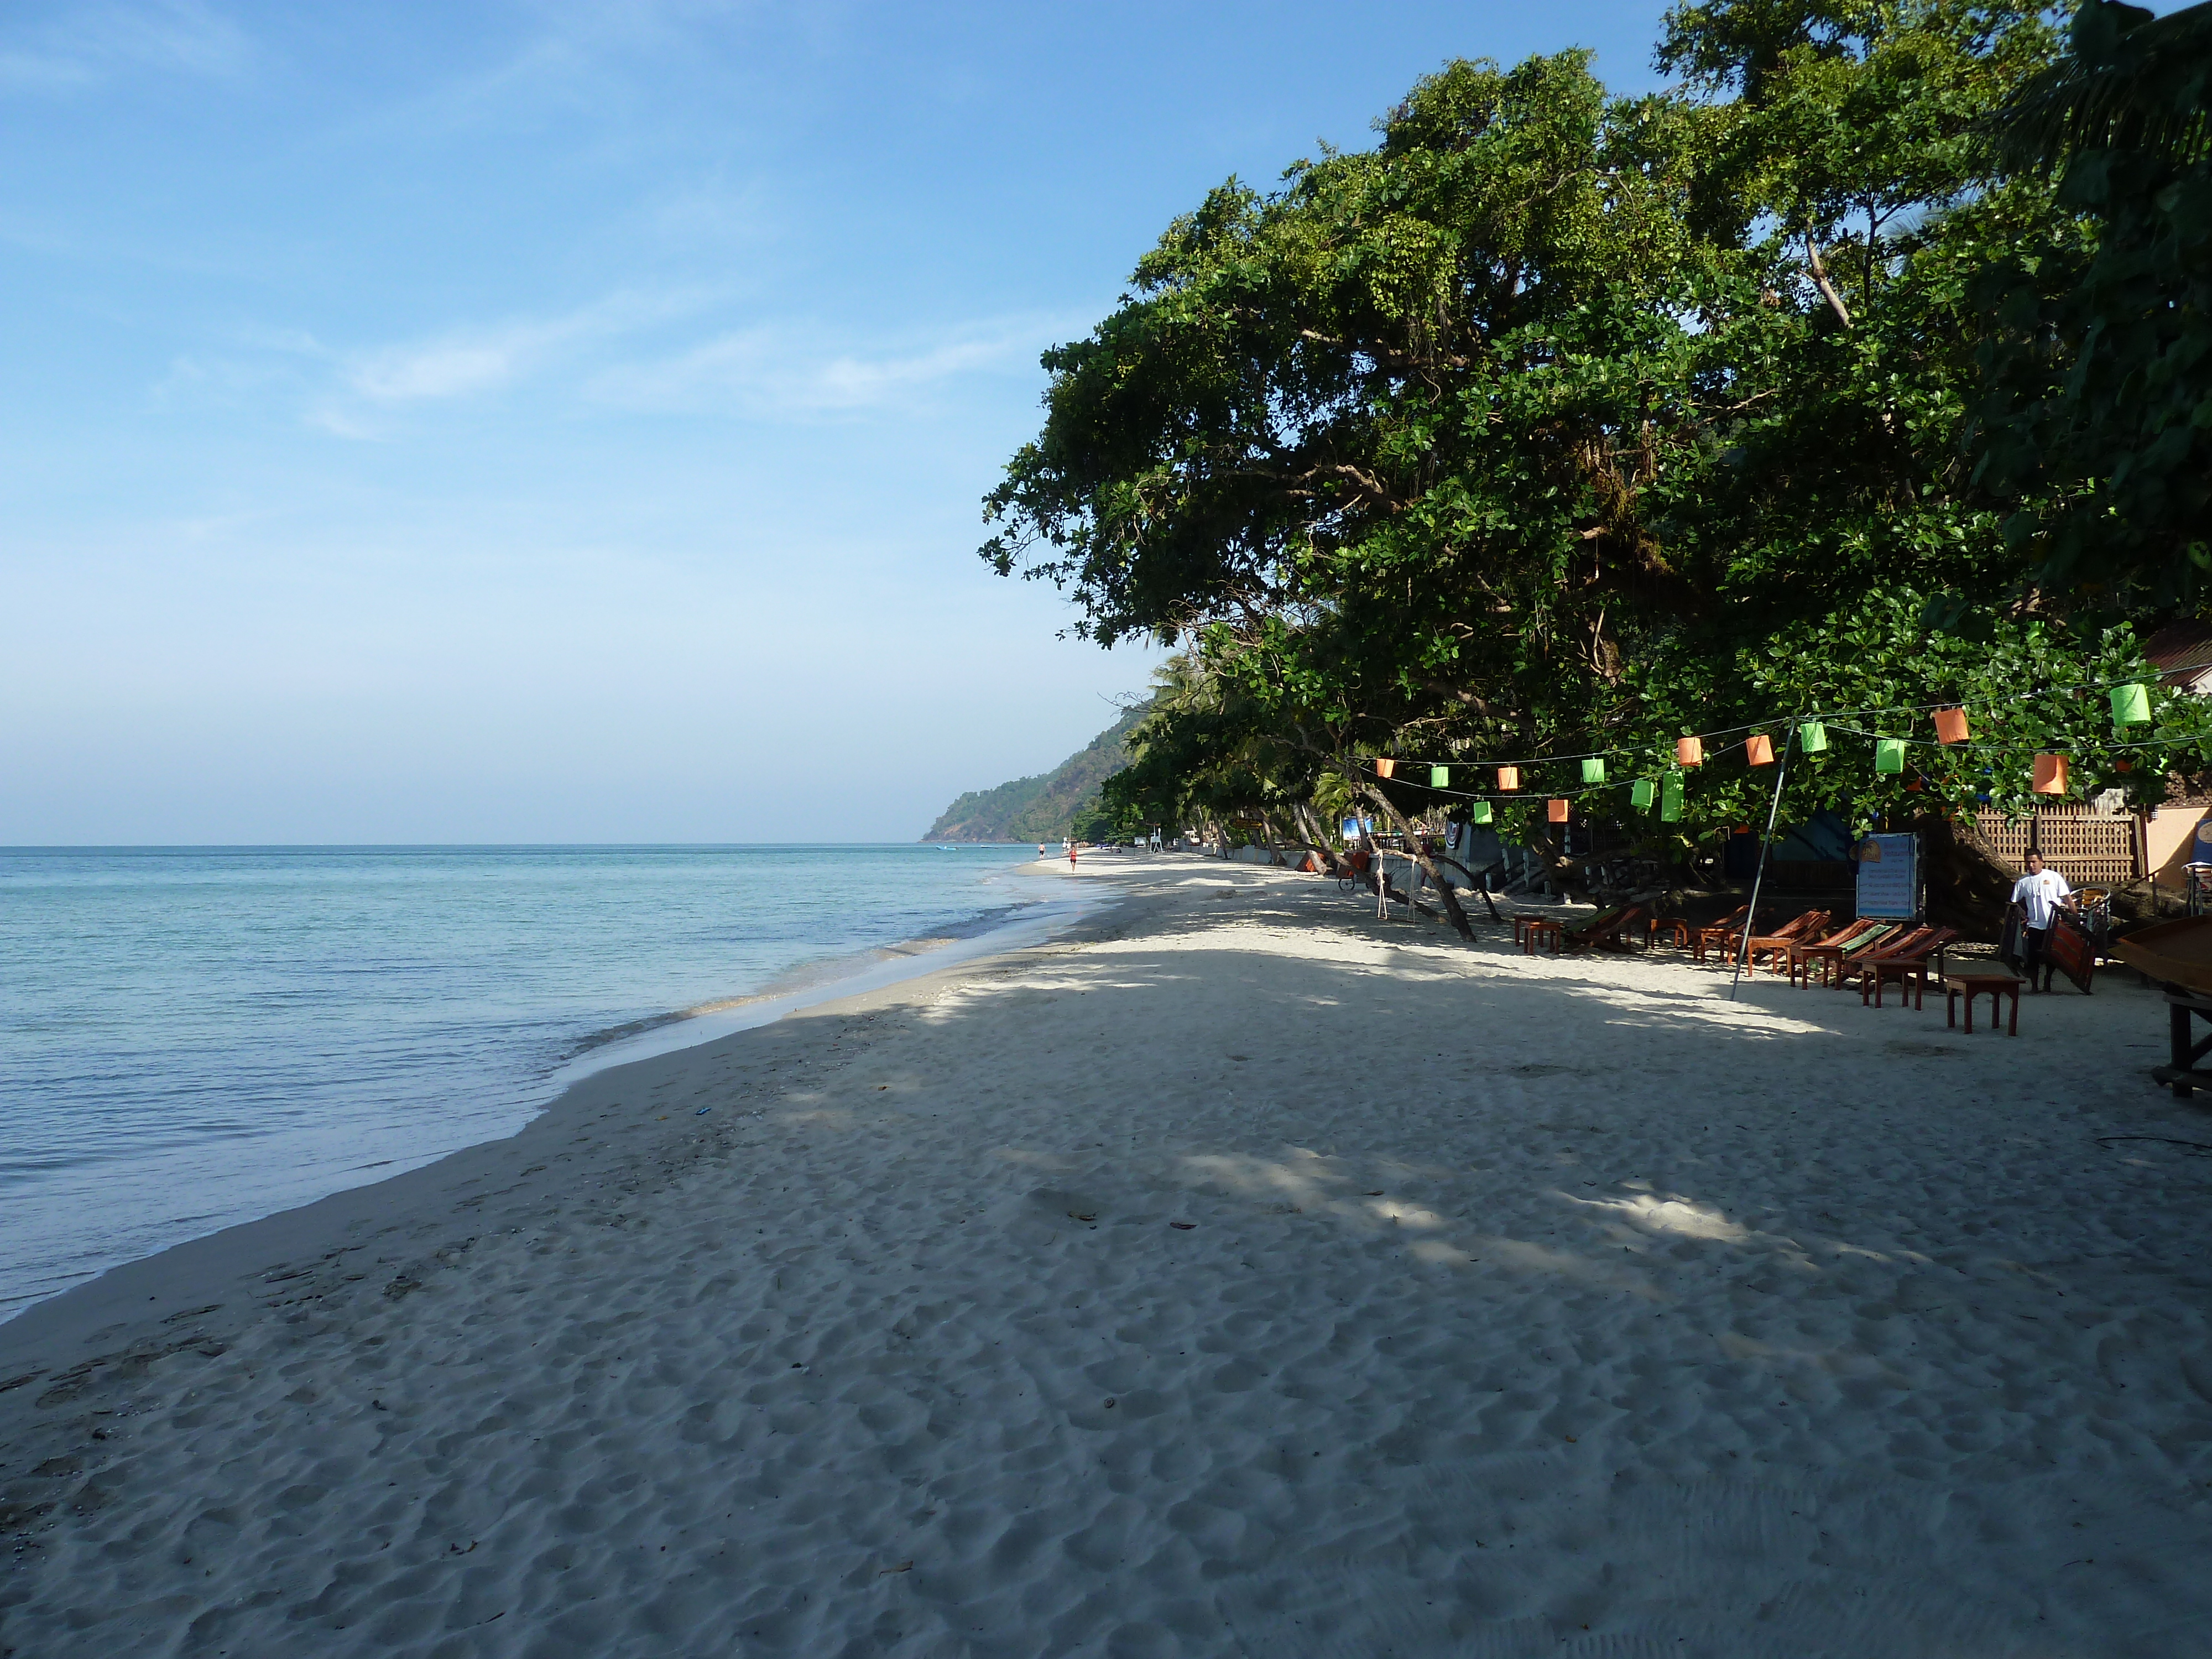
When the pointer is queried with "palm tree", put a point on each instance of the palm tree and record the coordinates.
(2133, 82)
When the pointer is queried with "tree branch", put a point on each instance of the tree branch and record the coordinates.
(1820, 281)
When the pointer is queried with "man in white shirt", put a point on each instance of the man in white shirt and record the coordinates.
(2038, 896)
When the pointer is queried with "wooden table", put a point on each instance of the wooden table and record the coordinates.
(1911, 976)
(1831, 958)
(1969, 986)
(1539, 929)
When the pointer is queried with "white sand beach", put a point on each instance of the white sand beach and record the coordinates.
(1237, 1274)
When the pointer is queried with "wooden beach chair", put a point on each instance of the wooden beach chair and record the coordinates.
(1779, 945)
(1605, 932)
(1698, 940)
(1798, 926)
(1529, 931)
(1905, 963)
(1833, 952)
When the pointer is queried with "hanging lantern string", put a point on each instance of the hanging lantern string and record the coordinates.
(1522, 794)
(1987, 748)
(1529, 794)
(1813, 717)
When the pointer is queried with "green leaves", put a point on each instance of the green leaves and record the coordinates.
(1561, 424)
(2098, 372)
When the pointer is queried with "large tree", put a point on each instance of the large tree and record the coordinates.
(2099, 410)
(1559, 422)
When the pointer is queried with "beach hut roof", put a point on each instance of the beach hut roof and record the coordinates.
(2182, 653)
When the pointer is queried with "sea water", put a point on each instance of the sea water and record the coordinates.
(193, 1037)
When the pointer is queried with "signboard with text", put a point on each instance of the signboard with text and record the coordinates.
(1889, 877)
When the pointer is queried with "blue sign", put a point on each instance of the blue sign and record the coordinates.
(1354, 828)
(1889, 877)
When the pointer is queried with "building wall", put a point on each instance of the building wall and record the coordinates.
(2170, 839)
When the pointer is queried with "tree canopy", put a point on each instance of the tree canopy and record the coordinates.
(1560, 424)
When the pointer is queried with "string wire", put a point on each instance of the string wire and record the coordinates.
(1784, 722)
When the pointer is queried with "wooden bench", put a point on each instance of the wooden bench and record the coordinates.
(1910, 974)
(1969, 986)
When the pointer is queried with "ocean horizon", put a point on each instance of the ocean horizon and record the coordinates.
(192, 1036)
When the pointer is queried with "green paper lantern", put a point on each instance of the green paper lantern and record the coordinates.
(2132, 705)
(1670, 800)
(1439, 777)
(1889, 754)
(1813, 737)
(1480, 813)
(1642, 793)
(1593, 768)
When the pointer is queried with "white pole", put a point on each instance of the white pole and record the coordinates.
(1751, 921)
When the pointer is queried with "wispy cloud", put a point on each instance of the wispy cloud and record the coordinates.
(790, 371)
(95, 44)
(464, 361)
(784, 371)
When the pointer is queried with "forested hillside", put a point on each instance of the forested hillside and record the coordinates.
(1039, 808)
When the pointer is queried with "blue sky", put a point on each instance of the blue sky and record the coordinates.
(568, 422)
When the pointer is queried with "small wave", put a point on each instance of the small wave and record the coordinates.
(805, 978)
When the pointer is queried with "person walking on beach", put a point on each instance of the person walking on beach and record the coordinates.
(1071, 853)
(2037, 897)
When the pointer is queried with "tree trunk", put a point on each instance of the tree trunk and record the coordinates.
(1453, 914)
(1967, 889)
(1312, 826)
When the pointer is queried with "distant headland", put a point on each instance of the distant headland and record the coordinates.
(1039, 808)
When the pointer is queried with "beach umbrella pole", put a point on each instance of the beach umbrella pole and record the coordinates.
(1751, 921)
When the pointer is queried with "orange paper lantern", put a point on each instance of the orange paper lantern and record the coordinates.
(1556, 811)
(1759, 751)
(2124, 766)
(1950, 726)
(1509, 777)
(1384, 769)
(2050, 775)
(1690, 751)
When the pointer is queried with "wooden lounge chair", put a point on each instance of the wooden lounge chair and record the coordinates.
(1698, 940)
(1838, 948)
(1779, 945)
(1528, 930)
(1799, 926)
(1605, 932)
(1905, 962)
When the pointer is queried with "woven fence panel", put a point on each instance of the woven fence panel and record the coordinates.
(2090, 849)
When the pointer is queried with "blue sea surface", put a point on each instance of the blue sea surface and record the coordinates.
(192, 1037)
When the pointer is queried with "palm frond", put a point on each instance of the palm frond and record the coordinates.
(2133, 82)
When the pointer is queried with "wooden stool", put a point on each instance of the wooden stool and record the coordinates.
(1829, 958)
(1911, 976)
(1971, 986)
(1539, 929)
